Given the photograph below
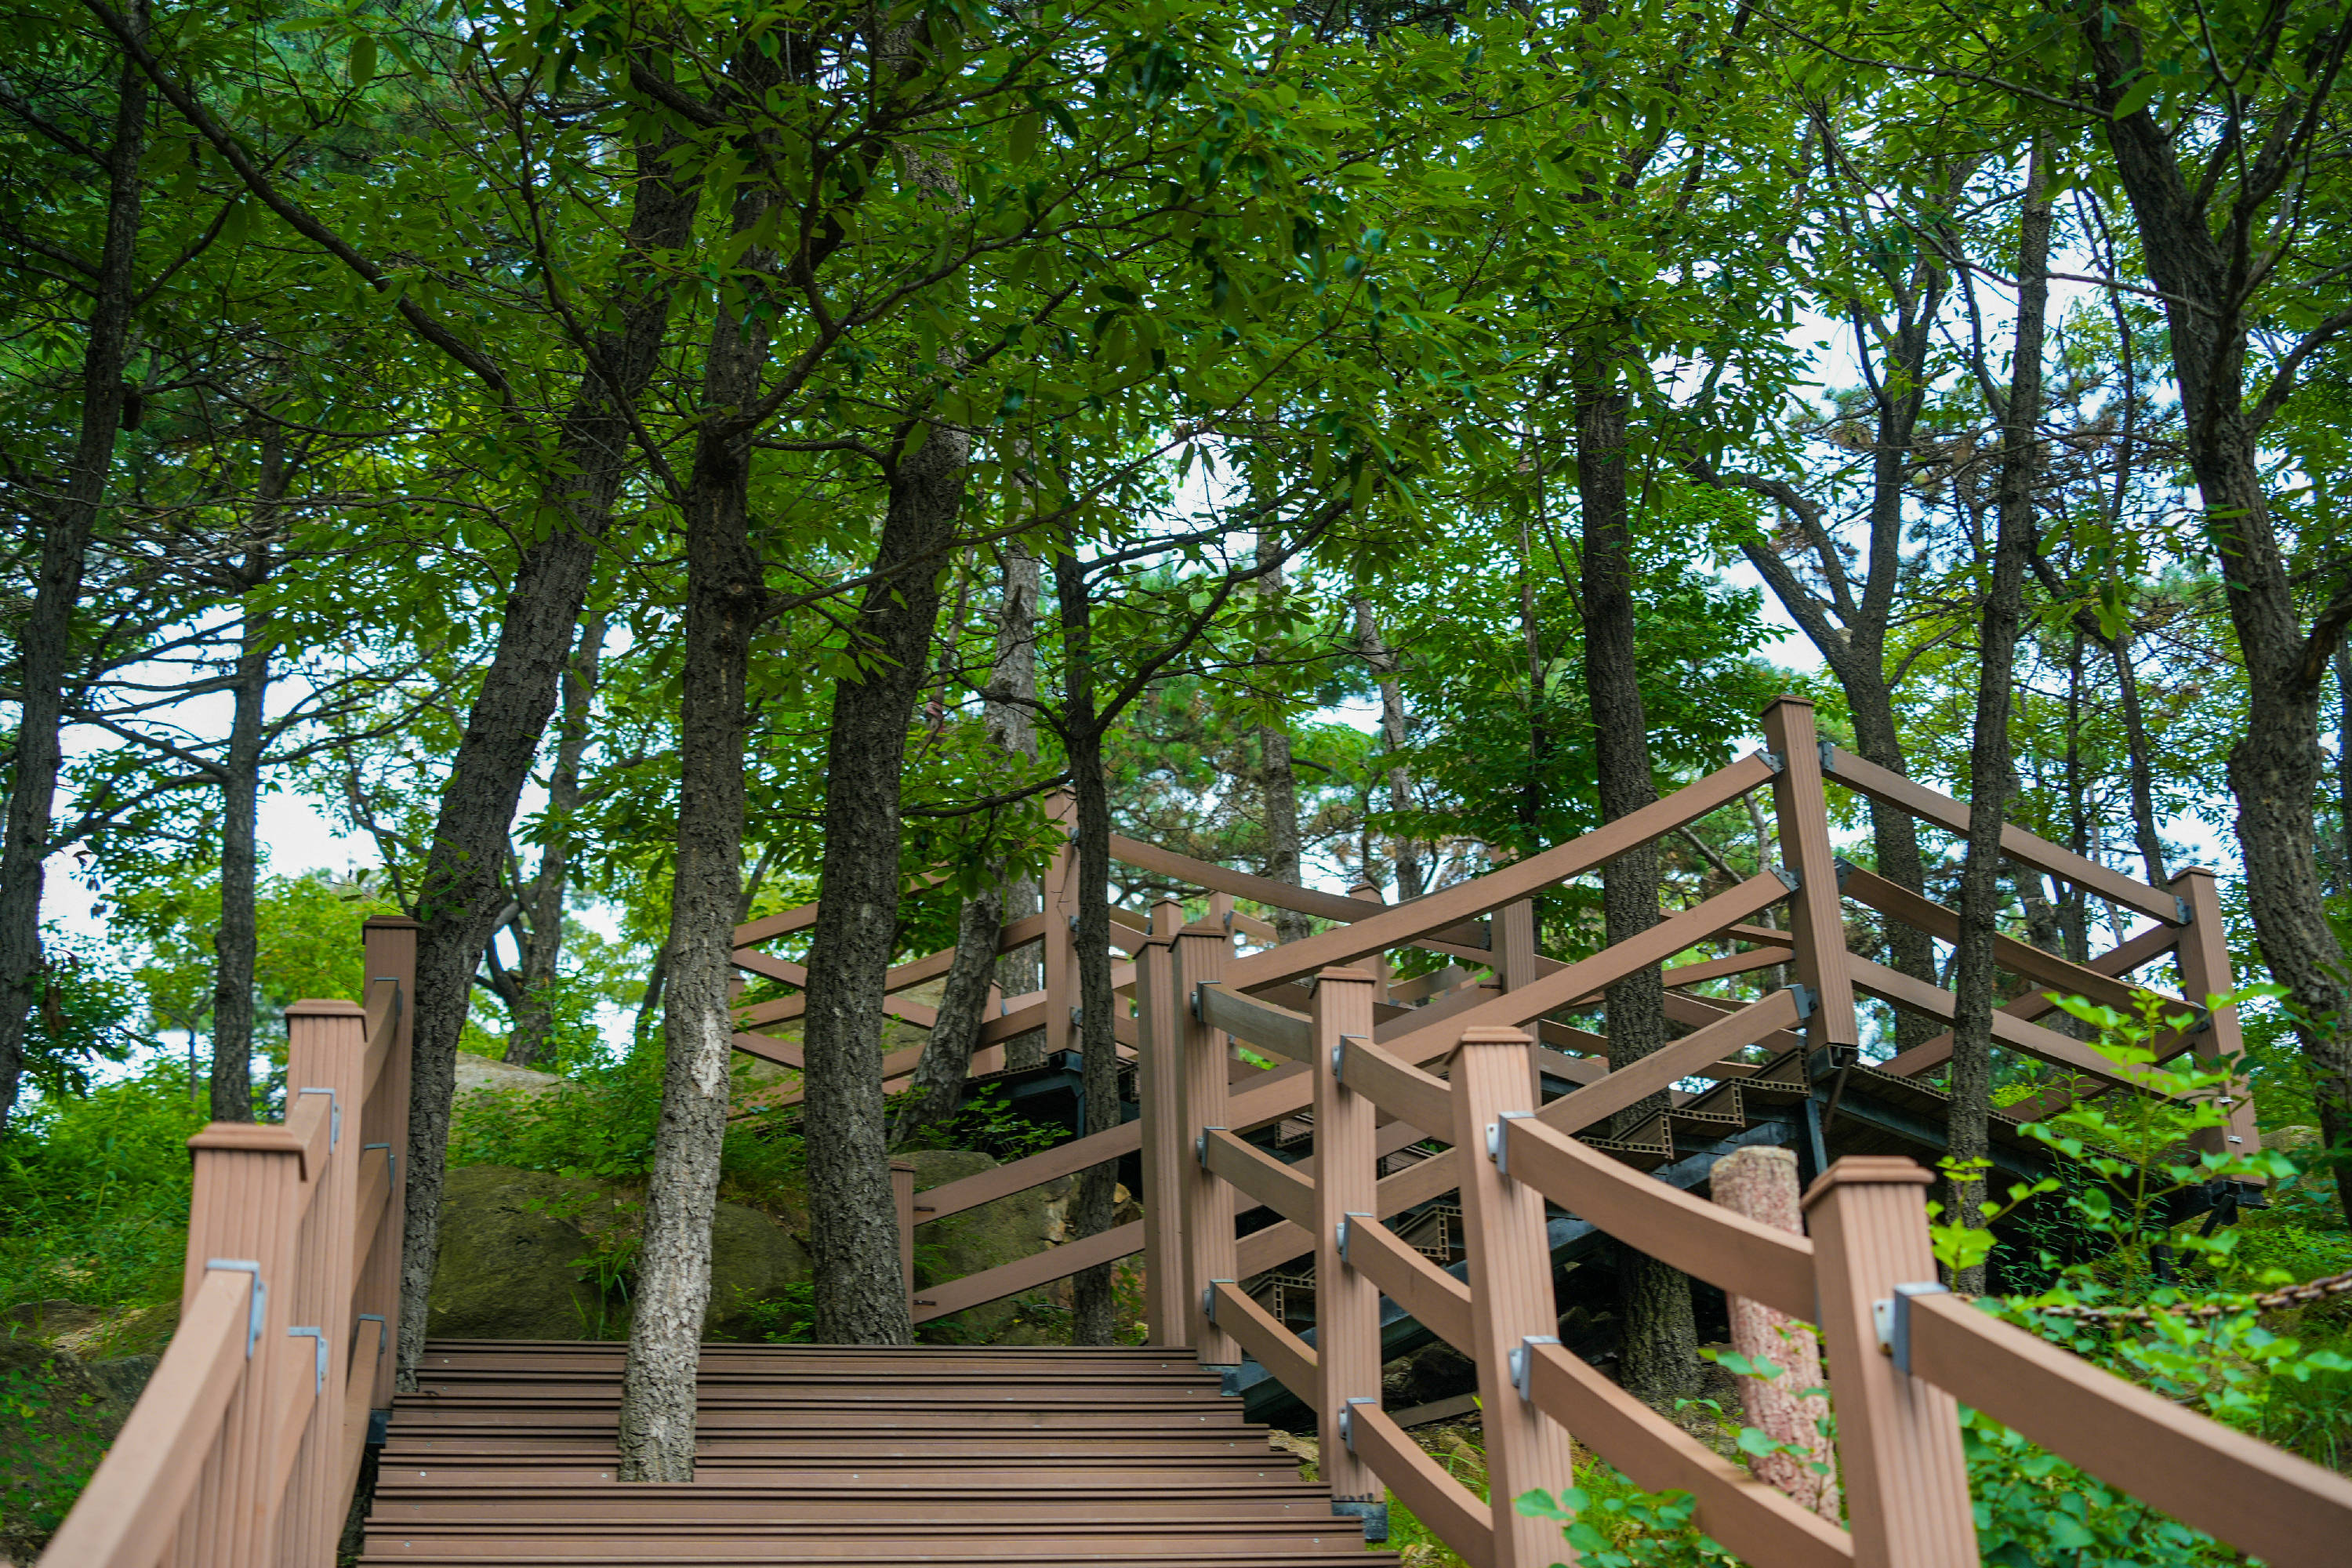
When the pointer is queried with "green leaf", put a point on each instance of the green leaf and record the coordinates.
(362, 59)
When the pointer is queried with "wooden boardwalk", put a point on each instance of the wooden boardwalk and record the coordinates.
(822, 1455)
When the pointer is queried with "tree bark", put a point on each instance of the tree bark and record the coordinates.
(1010, 713)
(2275, 767)
(237, 939)
(1990, 770)
(1383, 662)
(460, 894)
(45, 648)
(2143, 792)
(1659, 1344)
(1278, 779)
(1092, 1297)
(725, 600)
(853, 1220)
(542, 945)
(936, 1092)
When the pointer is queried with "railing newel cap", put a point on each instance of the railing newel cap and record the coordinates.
(390, 923)
(325, 1008)
(1867, 1171)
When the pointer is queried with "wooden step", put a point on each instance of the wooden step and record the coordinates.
(827, 1456)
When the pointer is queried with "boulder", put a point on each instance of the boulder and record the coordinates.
(125, 1376)
(752, 1260)
(488, 1072)
(1006, 1231)
(511, 1259)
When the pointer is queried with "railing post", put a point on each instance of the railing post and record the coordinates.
(244, 1203)
(902, 1200)
(326, 1054)
(390, 944)
(1906, 1481)
(1209, 1253)
(1159, 1087)
(1346, 1304)
(1510, 1290)
(1511, 938)
(2204, 958)
(1816, 914)
(1378, 963)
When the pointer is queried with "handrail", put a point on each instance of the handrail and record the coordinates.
(246, 1443)
(2262, 1501)
(1289, 1358)
(1395, 1085)
(1437, 1300)
(1255, 1022)
(1756, 1521)
(1721, 1247)
(1447, 1507)
(1888, 788)
(1258, 1175)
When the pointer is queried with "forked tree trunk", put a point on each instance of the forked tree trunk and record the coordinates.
(459, 895)
(1990, 770)
(726, 598)
(45, 650)
(1658, 1347)
(542, 943)
(936, 1092)
(853, 1221)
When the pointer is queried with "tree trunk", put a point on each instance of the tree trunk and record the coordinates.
(238, 937)
(45, 648)
(2343, 771)
(2275, 767)
(1091, 1214)
(1990, 770)
(936, 1092)
(542, 947)
(2143, 789)
(459, 895)
(1277, 780)
(853, 1220)
(725, 601)
(1010, 713)
(1383, 659)
(1659, 1342)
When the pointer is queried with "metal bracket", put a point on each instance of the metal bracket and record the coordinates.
(1344, 1218)
(1201, 1146)
(1496, 1148)
(1077, 1016)
(1772, 759)
(1195, 1003)
(1845, 868)
(379, 1428)
(1209, 1298)
(1806, 999)
(1523, 1362)
(334, 1115)
(1789, 877)
(1348, 1419)
(260, 1296)
(1891, 1316)
(319, 1384)
(1339, 1057)
(391, 1161)
(383, 1340)
(1829, 755)
(2188, 916)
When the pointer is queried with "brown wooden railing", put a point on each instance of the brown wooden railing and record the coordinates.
(244, 1447)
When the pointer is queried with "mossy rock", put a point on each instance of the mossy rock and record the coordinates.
(752, 1260)
(511, 1258)
(1020, 1226)
(55, 1420)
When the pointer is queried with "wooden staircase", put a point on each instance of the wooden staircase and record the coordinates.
(823, 1455)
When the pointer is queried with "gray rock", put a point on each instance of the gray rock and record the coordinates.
(488, 1072)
